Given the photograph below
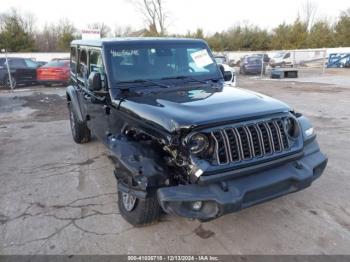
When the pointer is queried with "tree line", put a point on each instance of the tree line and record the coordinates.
(300, 34)
(18, 32)
(285, 36)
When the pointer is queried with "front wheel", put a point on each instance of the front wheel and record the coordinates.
(80, 132)
(138, 212)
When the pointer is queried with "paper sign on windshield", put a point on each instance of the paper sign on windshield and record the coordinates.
(202, 58)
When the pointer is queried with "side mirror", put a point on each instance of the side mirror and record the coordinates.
(228, 75)
(95, 83)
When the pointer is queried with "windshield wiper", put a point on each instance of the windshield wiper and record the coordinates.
(185, 77)
(142, 81)
(213, 79)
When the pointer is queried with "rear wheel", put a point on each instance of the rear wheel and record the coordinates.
(139, 212)
(80, 132)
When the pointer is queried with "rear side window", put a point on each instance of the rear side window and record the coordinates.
(73, 59)
(83, 66)
(96, 64)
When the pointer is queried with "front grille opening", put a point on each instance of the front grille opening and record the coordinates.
(275, 136)
(283, 134)
(265, 138)
(245, 142)
(221, 154)
(256, 141)
(234, 144)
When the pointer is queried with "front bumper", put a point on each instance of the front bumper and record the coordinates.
(229, 196)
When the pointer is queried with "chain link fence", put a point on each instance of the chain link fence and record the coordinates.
(306, 61)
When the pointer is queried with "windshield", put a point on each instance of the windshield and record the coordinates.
(278, 55)
(158, 61)
(220, 60)
(253, 59)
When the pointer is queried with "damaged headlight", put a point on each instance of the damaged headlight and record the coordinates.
(198, 143)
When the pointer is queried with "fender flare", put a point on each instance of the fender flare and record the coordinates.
(72, 97)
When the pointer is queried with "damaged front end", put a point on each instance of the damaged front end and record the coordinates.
(145, 163)
(206, 172)
(237, 165)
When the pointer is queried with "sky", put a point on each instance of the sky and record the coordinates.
(185, 15)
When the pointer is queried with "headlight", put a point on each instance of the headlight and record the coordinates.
(309, 132)
(198, 143)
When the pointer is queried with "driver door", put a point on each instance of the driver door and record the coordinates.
(94, 102)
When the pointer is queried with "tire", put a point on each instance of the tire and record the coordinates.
(144, 212)
(7, 82)
(80, 132)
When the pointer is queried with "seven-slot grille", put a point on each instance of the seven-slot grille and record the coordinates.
(250, 141)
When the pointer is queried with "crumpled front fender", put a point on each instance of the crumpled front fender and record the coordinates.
(140, 168)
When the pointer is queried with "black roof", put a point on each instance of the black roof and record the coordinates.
(129, 40)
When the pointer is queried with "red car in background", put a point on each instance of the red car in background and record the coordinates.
(55, 72)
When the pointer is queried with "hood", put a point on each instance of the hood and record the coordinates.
(190, 108)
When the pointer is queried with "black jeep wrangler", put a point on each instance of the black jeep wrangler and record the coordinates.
(183, 140)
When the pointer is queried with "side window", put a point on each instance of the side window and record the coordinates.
(17, 63)
(95, 62)
(96, 65)
(82, 68)
(287, 56)
(30, 63)
(73, 59)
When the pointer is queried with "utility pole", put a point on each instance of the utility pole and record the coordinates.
(8, 69)
(262, 65)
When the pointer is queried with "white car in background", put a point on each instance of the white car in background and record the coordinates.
(222, 60)
(282, 59)
(233, 80)
(229, 71)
